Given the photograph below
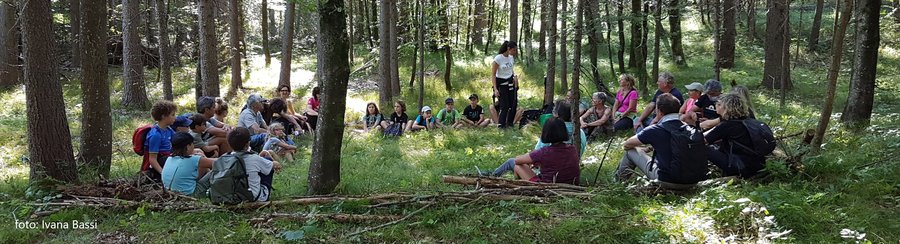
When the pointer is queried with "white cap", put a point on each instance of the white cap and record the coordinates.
(425, 109)
(694, 86)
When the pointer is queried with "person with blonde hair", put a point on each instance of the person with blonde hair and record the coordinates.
(733, 152)
(279, 145)
(625, 106)
(745, 94)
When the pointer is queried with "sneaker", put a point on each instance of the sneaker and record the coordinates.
(482, 173)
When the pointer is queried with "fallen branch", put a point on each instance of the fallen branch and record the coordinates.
(492, 182)
(340, 218)
(388, 223)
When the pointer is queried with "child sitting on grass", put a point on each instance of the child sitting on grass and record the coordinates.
(278, 145)
(398, 120)
(687, 109)
(183, 168)
(449, 116)
(373, 118)
(558, 162)
(201, 137)
(474, 114)
(158, 143)
(424, 121)
(260, 171)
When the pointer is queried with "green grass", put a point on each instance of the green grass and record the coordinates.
(851, 185)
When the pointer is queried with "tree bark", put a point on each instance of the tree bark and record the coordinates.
(74, 20)
(675, 33)
(621, 29)
(421, 49)
(96, 146)
(264, 22)
(638, 45)
(717, 39)
(837, 51)
(542, 36)
(751, 19)
(384, 60)
(49, 141)
(491, 23)
(513, 20)
(448, 53)
(165, 58)
(9, 45)
(395, 50)
(813, 42)
(563, 54)
(287, 44)
(234, 34)
(527, 26)
(550, 79)
(135, 94)
(209, 55)
(469, 25)
(776, 71)
(325, 168)
(576, 72)
(729, 32)
(592, 10)
(657, 32)
(478, 29)
(858, 111)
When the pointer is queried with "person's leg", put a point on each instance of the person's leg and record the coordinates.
(384, 124)
(519, 112)
(645, 163)
(722, 161)
(509, 165)
(289, 156)
(503, 107)
(495, 116)
(524, 172)
(631, 159)
(265, 180)
(222, 143)
(484, 123)
(513, 108)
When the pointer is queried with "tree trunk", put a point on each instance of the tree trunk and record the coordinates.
(776, 71)
(234, 32)
(445, 38)
(165, 59)
(837, 51)
(550, 79)
(729, 32)
(74, 20)
(395, 50)
(469, 26)
(513, 20)
(527, 29)
(609, 51)
(717, 40)
(751, 19)
(384, 60)
(816, 25)
(135, 94)
(542, 36)
(325, 168)
(491, 23)
(576, 71)
(147, 14)
(860, 100)
(638, 46)
(264, 24)
(209, 56)
(563, 54)
(421, 49)
(675, 33)
(9, 45)
(49, 141)
(657, 20)
(621, 30)
(478, 29)
(96, 146)
(592, 10)
(287, 44)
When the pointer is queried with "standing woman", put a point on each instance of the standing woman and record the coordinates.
(505, 83)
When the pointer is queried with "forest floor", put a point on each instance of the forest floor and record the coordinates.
(849, 192)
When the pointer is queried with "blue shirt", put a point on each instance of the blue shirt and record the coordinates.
(570, 127)
(180, 174)
(159, 140)
(675, 92)
(421, 121)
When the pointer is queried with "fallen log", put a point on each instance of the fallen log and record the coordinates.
(492, 182)
(340, 218)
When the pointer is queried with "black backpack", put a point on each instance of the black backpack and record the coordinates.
(689, 154)
(761, 136)
(227, 182)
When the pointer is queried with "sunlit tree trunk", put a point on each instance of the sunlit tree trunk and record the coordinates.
(837, 51)
(860, 101)
(135, 94)
(287, 44)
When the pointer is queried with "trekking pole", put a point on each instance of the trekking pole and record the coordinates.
(608, 144)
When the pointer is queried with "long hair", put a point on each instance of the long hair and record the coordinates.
(744, 93)
(316, 92)
(402, 107)
(735, 107)
(506, 46)
(629, 80)
(273, 127)
(376, 109)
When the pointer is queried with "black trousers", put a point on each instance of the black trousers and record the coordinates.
(508, 102)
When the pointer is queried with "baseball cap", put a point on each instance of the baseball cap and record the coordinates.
(449, 100)
(426, 109)
(473, 96)
(713, 85)
(694, 86)
(182, 121)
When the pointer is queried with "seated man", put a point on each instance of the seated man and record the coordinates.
(665, 85)
(251, 117)
(679, 155)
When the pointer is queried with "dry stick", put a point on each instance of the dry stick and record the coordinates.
(389, 223)
(340, 218)
(492, 182)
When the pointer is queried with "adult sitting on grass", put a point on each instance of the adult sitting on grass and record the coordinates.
(734, 154)
(665, 85)
(745, 94)
(473, 115)
(424, 121)
(448, 116)
(252, 119)
(185, 165)
(373, 118)
(260, 171)
(284, 92)
(563, 111)
(221, 112)
(280, 114)
(625, 106)
(216, 131)
(706, 104)
(677, 163)
(199, 128)
(595, 121)
(558, 163)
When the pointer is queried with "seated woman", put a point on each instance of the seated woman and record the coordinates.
(734, 154)
(373, 118)
(185, 165)
(745, 94)
(221, 111)
(625, 106)
(595, 121)
(284, 92)
(279, 146)
(424, 121)
(558, 163)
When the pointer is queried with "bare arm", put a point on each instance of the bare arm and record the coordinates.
(153, 163)
(494, 67)
(647, 110)
(524, 159)
(284, 145)
(632, 143)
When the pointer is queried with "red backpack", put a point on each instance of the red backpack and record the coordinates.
(137, 140)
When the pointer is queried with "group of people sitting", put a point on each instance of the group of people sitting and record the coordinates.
(683, 136)
(472, 116)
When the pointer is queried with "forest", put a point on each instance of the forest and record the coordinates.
(332, 103)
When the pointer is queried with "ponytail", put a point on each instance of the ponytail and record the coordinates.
(506, 46)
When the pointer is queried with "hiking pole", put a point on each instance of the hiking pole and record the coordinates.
(608, 144)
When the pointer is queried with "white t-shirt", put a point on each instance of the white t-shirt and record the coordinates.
(505, 71)
(254, 164)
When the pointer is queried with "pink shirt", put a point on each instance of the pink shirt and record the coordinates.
(625, 102)
(690, 105)
(313, 104)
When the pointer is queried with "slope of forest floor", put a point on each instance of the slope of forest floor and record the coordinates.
(847, 193)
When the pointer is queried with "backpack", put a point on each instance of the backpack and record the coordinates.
(138, 138)
(689, 154)
(227, 182)
(760, 135)
(395, 129)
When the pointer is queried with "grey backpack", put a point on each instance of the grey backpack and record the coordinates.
(227, 182)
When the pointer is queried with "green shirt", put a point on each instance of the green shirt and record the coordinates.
(448, 117)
